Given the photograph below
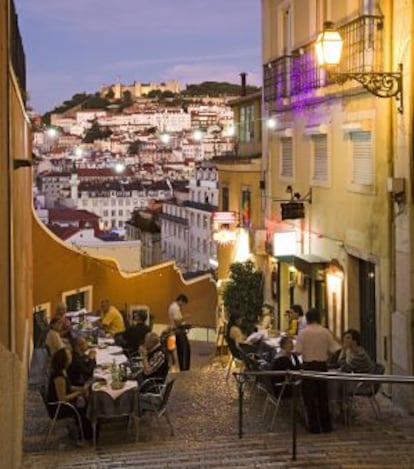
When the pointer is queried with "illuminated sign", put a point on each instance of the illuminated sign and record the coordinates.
(284, 243)
(224, 237)
(224, 217)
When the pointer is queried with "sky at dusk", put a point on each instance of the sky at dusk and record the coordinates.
(78, 45)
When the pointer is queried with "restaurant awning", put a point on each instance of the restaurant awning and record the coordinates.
(309, 264)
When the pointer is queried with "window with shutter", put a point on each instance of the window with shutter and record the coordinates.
(286, 157)
(320, 166)
(362, 158)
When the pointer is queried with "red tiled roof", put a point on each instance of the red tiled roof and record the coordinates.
(63, 232)
(70, 214)
(102, 172)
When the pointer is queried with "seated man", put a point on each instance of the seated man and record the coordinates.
(134, 335)
(154, 359)
(111, 319)
(81, 368)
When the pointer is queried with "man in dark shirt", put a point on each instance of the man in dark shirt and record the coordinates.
(81, 368)
(154, 358)
(134, 335)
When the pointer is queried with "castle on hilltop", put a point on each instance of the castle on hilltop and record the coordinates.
(138, 89)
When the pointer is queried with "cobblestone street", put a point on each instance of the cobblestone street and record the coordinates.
(204, 412)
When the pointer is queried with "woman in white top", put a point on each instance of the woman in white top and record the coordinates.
(54, 341)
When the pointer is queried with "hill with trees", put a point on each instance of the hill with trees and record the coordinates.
(95, 101)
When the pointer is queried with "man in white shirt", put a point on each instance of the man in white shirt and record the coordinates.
(316, 343)
(181, 340)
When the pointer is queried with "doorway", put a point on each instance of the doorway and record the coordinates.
(367, 307)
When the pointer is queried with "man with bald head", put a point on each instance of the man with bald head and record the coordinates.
(154, 358)
(81, 368)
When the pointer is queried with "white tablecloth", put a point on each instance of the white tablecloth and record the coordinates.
(106, 356)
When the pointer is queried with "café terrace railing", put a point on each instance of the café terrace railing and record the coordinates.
(296, 377)
(299, 73)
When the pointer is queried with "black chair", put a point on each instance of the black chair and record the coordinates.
(155, 400)
(369, 391)
(235, 355)
(53, 410)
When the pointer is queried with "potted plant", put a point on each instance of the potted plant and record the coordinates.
(243, 293)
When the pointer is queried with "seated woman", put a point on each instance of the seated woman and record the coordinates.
(60, 389)
(285, 359)
(234, 330)
(352, 358)
(54, 340)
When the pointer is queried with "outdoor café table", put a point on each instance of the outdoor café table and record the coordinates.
(105, 402)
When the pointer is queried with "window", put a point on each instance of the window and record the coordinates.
(320, 167)
(362, 158)
(225, 199)
(79, 298)
(105, 213)
(286, 157)
(246, 132)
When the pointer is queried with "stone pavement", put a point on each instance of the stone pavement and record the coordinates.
(204, 412)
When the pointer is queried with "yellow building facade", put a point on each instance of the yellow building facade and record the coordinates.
(240, 183)
(344, 155)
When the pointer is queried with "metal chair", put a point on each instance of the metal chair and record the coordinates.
(368, 390)
(54, 414)
(156, 401)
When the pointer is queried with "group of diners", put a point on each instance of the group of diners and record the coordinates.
(73, 359)
(312, 349)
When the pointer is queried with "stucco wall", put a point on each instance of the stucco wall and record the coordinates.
(58, 269)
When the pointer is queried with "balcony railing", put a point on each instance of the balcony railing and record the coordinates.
(299, 73)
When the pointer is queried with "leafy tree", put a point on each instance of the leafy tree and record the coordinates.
(214, 88)
(95, 102)
(127, 98)
(96, 133)
(154, 94)
(135, 147)
(243, 293)
(110, 94)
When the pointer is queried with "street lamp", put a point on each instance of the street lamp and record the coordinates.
(382, 84)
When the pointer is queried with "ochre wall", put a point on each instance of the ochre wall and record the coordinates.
(58, 269)
(15, 255)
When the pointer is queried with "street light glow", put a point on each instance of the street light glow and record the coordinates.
(271, 123)
(165, 138)
(197, 135)
(119, 168)
(52, 132)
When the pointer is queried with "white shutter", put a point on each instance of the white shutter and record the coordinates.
(320, 158)
(362, 163)
(286, 159)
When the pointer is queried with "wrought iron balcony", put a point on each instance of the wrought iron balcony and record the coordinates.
(299, 73)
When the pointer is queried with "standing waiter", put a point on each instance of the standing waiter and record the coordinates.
(181, 339)
(316, 343)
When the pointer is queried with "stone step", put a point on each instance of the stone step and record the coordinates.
(352, 449)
